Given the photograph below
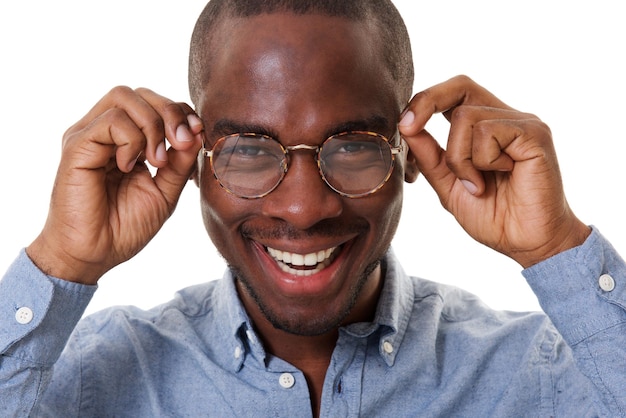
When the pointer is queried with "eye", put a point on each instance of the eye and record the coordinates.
(249, 146)
(248, 150)
(357, 146)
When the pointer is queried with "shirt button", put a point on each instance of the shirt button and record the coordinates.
(24, 315)
(237, 352)
(286, 380)
(606, 283)
(388, 347)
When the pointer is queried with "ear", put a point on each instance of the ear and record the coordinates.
(196, 170)
(410, 166)
(194, 177)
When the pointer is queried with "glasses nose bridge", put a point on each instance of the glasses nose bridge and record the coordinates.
(302, 147)
(299, 147)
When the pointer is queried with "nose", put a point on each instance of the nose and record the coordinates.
(303, 198)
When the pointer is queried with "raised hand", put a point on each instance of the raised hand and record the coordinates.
(106, 205)
(499, 175)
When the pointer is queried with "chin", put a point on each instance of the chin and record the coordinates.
(311, 318)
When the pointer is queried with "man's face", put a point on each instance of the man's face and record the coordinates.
(301, 79)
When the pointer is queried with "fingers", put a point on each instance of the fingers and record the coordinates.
(444, 98)
(484, 139)
(171, 179)
(105, 207)
(176, 119)
(504, 157)
(431, 162)
(485, 135)
(130, 123)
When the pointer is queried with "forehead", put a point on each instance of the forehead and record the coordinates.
(283, 69)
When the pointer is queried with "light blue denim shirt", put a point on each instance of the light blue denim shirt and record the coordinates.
(432, 351)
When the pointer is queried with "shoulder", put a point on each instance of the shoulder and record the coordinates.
(180, 314)
(454, 305)
(440, 310)
(467, 324)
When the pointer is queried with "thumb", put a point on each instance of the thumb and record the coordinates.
(431, 162)
(172, 178)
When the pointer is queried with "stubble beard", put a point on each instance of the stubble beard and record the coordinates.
(322, 324)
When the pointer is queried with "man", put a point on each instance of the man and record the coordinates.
(300, 142)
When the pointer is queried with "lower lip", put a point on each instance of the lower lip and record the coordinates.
(298, 286)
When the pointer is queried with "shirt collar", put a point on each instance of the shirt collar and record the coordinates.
(393, 311)
(391, 320)
(235, 326)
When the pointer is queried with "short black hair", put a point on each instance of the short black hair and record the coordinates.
(396, 52)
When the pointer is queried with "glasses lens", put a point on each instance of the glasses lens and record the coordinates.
(248, 165)
(356, 163)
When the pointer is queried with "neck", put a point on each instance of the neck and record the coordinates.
(312, 354)
(290, 346)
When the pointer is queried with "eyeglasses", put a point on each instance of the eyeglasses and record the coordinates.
(353, 164)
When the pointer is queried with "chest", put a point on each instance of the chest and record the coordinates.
(358, 382)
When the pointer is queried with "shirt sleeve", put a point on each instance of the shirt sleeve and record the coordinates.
(37, 315)
(583, 291)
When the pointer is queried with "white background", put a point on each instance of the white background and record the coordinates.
(561, 61)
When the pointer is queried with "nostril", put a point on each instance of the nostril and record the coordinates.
(303, 198)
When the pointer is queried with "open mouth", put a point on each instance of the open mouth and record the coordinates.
(303, 264)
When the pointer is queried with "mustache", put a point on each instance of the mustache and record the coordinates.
(325, 228)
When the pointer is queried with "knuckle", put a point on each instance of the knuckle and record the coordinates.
(540, 130)
(69, 138)
(462, 113)
(111, 117)
(425, 101)
(463, 79)
(542, 126)
(531, 116)
(120, 92)
(424, 96)
(69, 134)
(84, 132)
(185, 108)
(153, 125)
(455, 162)
(482, 129)
(142, 90)
(174, 110)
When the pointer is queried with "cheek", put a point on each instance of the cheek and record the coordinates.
(382, 210)
(222, 212)
(392, 210)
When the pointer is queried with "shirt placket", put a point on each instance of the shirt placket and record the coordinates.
(342, 391)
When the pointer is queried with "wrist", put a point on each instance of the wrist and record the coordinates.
(53, 261)
(566, 238)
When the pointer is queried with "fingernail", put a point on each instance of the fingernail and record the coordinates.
(469, 186)
(194, 121)
(183, 134)
(161, 153)
(131, 165)
(407, 118)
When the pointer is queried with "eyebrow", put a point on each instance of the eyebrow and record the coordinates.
(377, 123)
(225, 127)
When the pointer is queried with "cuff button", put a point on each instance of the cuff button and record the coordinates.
(606, 283)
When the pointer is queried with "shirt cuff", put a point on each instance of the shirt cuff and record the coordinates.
(583, 290)
(38, 312)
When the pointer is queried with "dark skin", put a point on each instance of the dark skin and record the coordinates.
(260, 80)
(498, 176)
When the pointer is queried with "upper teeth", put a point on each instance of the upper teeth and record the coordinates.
(294, 259)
